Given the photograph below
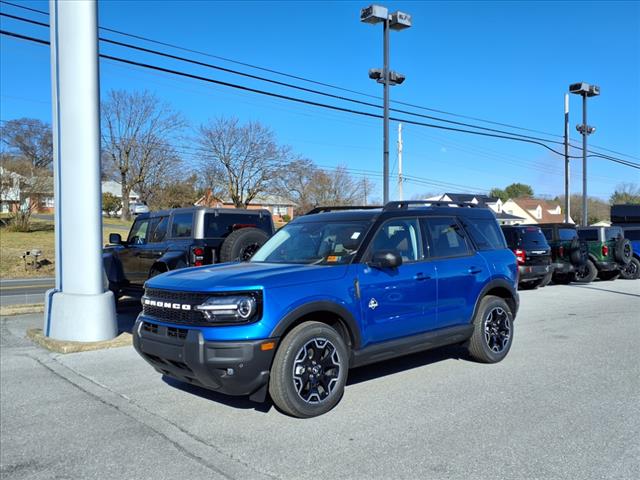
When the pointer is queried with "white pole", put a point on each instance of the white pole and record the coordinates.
(400, 179)
(78, 308)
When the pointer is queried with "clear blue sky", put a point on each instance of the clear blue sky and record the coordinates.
(508, 62)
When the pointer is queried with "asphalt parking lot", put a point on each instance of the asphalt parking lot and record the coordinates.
(565, 404)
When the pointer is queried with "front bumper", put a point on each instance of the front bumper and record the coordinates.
(232, 368)
(529, 273)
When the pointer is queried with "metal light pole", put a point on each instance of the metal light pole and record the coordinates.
(585, 90)
(396, 21)
(567, 180)
(78, 308)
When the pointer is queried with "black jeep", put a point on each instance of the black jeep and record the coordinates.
(568, 254)
(179, 238)
(533, 254)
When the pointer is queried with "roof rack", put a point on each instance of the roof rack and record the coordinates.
(404, 204)
(341, 207)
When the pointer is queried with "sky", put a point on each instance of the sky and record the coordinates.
(506, 62)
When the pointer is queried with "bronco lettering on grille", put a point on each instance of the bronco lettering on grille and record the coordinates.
(161, 304)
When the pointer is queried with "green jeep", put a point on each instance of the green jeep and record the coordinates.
(568, 253)
(609, 253)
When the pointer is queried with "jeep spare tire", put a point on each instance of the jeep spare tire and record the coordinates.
(576, 255)
(242, 244)
(623, 251)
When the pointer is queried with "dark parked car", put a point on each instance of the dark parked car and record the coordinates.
(609, 253)
(533, 254)
(568, 253)
(179, 238)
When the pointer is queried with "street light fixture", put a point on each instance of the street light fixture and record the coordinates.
(374, 14)
(585, 90)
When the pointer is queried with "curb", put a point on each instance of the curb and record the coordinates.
(8, 310)
(68, 346)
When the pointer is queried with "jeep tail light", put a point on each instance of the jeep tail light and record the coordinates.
(197, 254)
(521, 255)
(605, 250)
(561, 251)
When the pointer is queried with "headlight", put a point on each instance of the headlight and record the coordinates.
(231, 309)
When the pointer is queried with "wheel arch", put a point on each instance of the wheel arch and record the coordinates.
(499, 288)
(326, 312)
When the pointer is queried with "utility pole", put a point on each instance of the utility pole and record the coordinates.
(78, 308)
(567, 180)
(400, 179)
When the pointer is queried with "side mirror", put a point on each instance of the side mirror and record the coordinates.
(385, 259)
(115, 239)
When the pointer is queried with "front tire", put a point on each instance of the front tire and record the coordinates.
(309, 370)
(492, 330)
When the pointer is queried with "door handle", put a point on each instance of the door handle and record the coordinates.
(474, 270)
(420, 277)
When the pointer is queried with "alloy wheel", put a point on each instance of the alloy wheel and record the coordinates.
(316, 369)
(497, 329)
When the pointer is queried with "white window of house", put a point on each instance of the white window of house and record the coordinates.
(279, 210)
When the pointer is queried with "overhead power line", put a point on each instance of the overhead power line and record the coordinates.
(314, 103)
(178, 47)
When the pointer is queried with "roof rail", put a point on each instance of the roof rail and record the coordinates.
(341, 207)
(404, 204)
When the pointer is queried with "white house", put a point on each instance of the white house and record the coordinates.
(115, 189)
(534, 211)
(495, 204)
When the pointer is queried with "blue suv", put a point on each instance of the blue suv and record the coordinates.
(335, 289)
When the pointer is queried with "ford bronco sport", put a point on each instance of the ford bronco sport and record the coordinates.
(182, 237)
(334, 289)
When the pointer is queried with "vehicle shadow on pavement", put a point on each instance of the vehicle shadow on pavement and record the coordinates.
(242, 402)
(409, 362)
(606, 290)
(127, 312)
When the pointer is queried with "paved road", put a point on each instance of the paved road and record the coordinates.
(24, 291)
(106, 226)
(565, 404)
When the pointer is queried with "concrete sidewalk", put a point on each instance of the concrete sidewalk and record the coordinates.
(564, 404)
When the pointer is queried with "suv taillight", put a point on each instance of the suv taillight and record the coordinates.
(605, 250)
(521, 255)
(197, 254)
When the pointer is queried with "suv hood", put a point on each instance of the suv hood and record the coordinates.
(245, 275)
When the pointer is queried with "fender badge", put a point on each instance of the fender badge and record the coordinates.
(373, 304)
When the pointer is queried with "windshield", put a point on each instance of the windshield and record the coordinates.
(333, 243)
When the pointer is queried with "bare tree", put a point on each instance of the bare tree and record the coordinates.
(242, 160)
(626, 193)
(29, 138)
(137, 129)
(304, 184)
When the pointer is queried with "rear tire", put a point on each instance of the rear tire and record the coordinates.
(492, 330)
(546, 280)
(242, 244)
(587, 273)
(309, 371)
(631, 271)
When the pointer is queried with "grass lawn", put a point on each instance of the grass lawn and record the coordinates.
(41, 237)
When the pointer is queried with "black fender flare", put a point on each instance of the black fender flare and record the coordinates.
(171, 261)
(503, 285)
(320, 306)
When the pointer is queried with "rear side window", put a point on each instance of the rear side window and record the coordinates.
(511, 236)
(223, 224)
(532, 237)
(182, 225)
(567, 234)
(446, 238)
(613, 233)
(589, 235)
(548, 233)
(485, 233)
